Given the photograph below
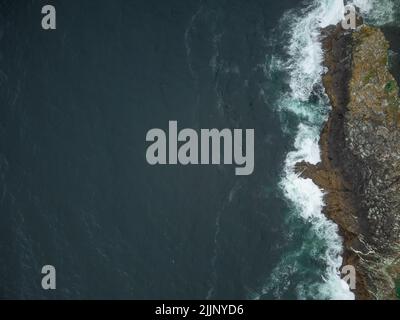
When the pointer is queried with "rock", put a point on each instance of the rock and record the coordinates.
(360, 168)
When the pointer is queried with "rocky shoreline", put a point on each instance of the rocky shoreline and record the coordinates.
(360, 156)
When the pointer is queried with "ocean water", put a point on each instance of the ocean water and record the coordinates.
(76, 191)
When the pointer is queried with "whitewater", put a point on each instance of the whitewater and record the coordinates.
(305, 99)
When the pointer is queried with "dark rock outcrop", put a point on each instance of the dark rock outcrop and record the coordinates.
(360, 167)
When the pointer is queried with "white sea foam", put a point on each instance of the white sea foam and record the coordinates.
(305, 51)
(378, 12)
(305, 70)
(307, 199)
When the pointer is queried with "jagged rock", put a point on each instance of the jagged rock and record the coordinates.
(360, 145)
